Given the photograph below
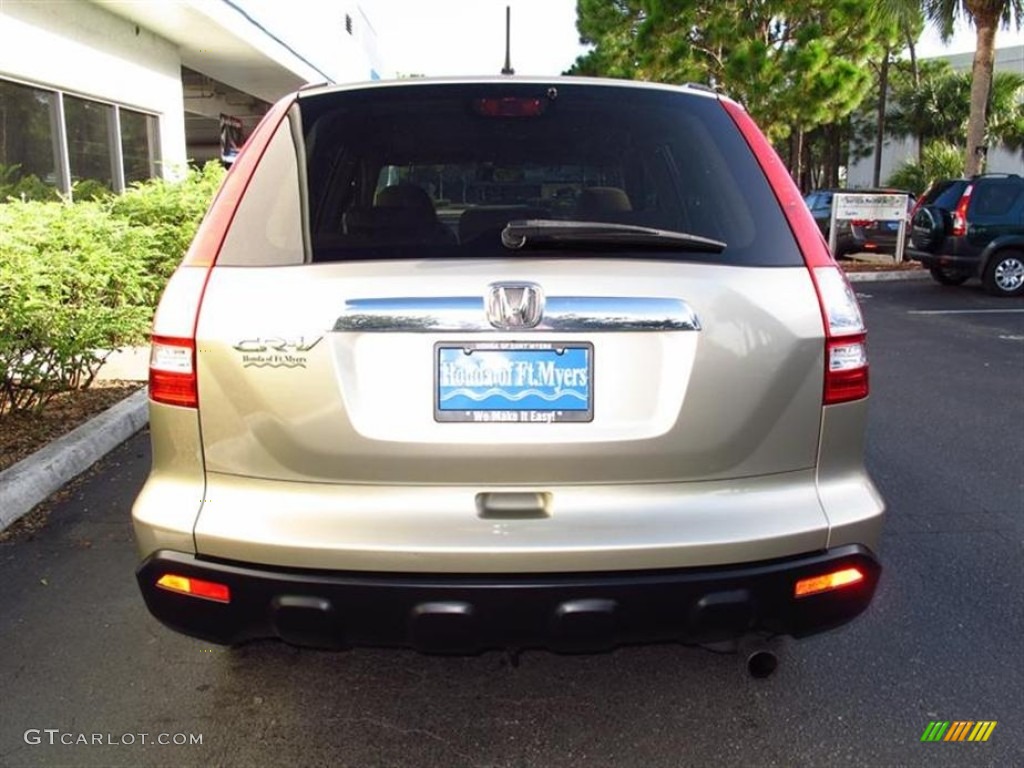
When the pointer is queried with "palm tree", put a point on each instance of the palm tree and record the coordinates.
(938, 108)
(1006, 111)
(986, 16)
(931, 105)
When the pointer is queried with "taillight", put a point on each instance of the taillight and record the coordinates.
(172, 357)
(960, 214)
(184, 585)
(861, 222)
(172, 372)
(846, 359)
(846, 363)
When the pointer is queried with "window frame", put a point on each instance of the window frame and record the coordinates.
(59, 135)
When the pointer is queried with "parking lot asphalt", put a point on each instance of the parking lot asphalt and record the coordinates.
(80, 658)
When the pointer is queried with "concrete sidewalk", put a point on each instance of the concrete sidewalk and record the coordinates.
(128, 364)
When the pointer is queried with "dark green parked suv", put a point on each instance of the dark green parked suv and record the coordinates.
(966, 228)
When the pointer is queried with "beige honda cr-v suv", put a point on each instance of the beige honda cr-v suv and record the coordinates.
(504, 363)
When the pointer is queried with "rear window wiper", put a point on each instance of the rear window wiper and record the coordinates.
(575, 234)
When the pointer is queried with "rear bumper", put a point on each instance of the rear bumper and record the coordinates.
(859, 239)
(450, 613)
(969, 264)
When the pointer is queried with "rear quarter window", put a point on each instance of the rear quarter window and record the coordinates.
(995, 197)
(437, 170)
(267, 228)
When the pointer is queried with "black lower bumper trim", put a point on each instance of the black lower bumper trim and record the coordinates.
(970, 265)
(469, 613)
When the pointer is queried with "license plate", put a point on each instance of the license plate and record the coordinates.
(892, 225)
(538, 382)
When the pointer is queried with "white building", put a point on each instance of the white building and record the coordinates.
(114, 91)
(896, 150)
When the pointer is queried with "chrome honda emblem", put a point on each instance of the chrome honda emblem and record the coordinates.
(511, 306)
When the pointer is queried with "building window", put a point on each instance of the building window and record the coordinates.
(52, 143)
(28, 142)
(89, 128)
(138, 146)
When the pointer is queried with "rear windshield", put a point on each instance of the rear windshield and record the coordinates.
(437, 171)
(944, 194)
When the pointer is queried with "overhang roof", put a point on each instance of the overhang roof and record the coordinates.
(219, 39)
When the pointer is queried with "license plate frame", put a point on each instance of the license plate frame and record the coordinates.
(523, 392)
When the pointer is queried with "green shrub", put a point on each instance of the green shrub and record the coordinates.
(90, 189)
(80, 278)
(73, 281)
(30, 187)
(171, 211)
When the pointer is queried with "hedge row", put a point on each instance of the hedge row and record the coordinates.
(79, 280)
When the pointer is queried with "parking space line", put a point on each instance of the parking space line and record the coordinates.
(964, 311)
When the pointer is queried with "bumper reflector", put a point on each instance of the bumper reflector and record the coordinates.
(828, 582)
(208, 590)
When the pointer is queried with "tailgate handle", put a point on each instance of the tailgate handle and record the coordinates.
(513, 506)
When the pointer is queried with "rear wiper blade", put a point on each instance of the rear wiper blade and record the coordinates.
(524, 233)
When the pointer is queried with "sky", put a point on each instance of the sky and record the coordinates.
(467, 37)
(963, 41)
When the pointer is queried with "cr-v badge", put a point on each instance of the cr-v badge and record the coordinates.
(275, 352)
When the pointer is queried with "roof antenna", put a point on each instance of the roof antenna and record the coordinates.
(507, 69)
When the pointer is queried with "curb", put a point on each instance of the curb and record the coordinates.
(887, 276)
(35, 477)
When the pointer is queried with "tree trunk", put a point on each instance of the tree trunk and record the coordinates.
(798, 155)
(915, 72)
(828, 157)
(883, 88)
(836, 156)
(981, 81)
(806, 167)
(791, 160)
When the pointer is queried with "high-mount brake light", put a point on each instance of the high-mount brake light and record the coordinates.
(509, 106)
(960, 214)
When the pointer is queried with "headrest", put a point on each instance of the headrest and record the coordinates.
(598, 200)
(407, 196)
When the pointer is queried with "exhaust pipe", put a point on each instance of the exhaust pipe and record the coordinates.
(761, 652)
(762, 663)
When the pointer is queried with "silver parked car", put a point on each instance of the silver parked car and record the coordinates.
(507, 362)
